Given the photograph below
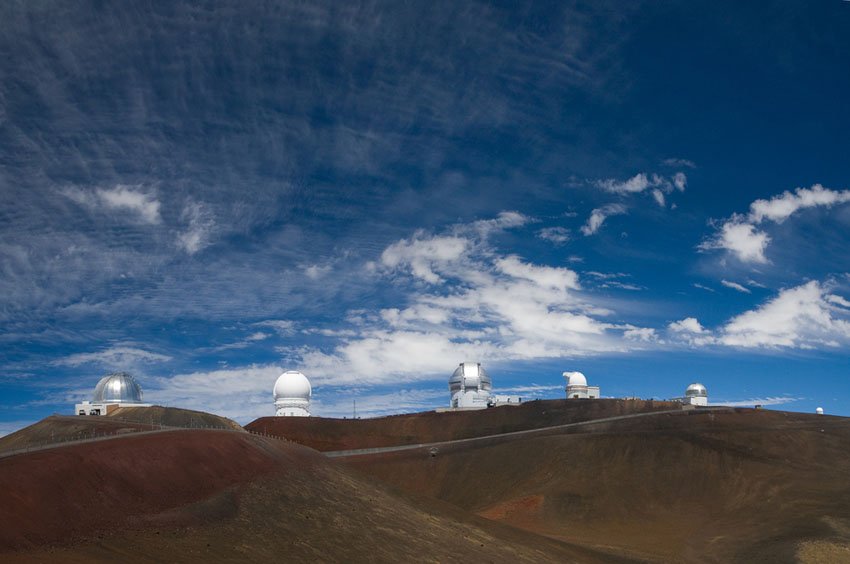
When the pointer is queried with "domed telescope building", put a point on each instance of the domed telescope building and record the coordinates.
(577, 387)
(292, 393)
(696, 394)
(115, 390)
(470, 386)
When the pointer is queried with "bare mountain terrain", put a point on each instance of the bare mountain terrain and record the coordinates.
(225, 496)
(743, 485)
(661, 485)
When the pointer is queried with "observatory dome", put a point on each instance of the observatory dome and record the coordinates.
(292, 392)
(696, 390)
(118, 387)
(470, 375)
(292, 385)
(575, 379)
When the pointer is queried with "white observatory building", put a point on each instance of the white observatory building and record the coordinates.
(577, 387)
(115, 390)
(470, 386)
(292, 393)
(695, 394)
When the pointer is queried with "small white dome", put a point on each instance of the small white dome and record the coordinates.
(696, 390)
(292, 385)
(575, 379)
(819, 411)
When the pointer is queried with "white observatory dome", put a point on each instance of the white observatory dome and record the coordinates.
(118, 387)
(292, 393)
(575, 379)
(819, 411)
(696, 390)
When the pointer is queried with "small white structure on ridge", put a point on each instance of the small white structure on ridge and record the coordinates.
(695, 394)
(577, 387)
(292, 393)
(470, 386)
(115, 390)
(819, 411)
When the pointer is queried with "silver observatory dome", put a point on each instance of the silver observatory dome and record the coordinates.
(118, 387)
(470, 375)
(696, 390)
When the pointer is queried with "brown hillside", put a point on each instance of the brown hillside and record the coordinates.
(221, 496)
(59, 428)
(742, 486)
(173, 417)
(343, 434)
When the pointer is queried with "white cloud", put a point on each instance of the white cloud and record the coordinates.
(488, 306)
(780, 400)
(599, 215)
(132, 199)
(423, 255)
(657, 185)
(315, 271)
(505, 220)
(703, 287)
(679, 163)
(687, 325)
(735, 286)
(779, 208)
(838, 300)
(545, 276)
(637, 183)
(556, 235)
(740, 236)
(680, 181)
(741, 239)
(281, 326)
(200, 225)
(239, 393)
(116, 357)
(645, 334)
(800, 317)
(372, 403)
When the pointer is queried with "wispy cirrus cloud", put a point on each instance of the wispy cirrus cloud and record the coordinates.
(735, 286)
(658, 185)
(115, 357)
(770, 400)
(136, 201)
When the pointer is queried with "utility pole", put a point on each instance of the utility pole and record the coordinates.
(355, 409)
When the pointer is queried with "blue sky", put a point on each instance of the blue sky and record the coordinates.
(651, 193)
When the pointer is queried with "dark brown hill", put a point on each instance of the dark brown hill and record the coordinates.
(344, 434)
(57, 428)
(173, 417)
(744, 485)
(223, 496)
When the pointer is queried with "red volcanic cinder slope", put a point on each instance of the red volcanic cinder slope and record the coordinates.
(698, 486)
(57, 494)
(228, 496)
(344, 434)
